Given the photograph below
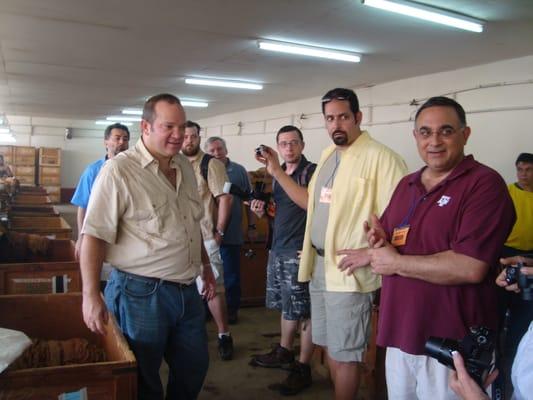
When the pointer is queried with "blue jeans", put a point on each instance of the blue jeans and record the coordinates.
(159, 320)
(231, 259)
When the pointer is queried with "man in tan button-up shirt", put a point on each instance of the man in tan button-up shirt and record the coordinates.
(211, 176)
(143, 218)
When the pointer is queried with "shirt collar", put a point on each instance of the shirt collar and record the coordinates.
(146, 158)
(460, 169)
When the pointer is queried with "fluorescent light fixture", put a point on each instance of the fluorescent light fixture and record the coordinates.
(5, 130)
(292, 48)
(121, 118)
(194, 103)
(428, 13)
(109, 123)
(221, 83)
(7, 138)
(132, 111)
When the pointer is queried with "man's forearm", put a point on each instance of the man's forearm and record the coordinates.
(296, 193)
(224, 203)
(92, 257)
(445, 268)
(80, 217)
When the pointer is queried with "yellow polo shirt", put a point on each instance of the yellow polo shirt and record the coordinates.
(366, 177)
(521, 236)
(151, 228)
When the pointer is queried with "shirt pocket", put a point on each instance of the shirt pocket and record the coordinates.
(150, 218)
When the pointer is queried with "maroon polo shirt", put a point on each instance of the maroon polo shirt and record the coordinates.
(471, 213)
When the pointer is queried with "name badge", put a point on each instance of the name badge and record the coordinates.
(399, 235)
(325, 195)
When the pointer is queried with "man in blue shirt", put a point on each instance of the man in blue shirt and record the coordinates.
(232, 241)
(116, 140)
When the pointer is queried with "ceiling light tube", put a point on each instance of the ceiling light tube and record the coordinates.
(121, 118)
(428, 13)
(221, 83)
(132, 111)
(7, 138)
(109, 123)
(194, 103)
(5, 130)
(292, 48)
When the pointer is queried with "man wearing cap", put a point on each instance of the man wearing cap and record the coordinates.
(354, 178)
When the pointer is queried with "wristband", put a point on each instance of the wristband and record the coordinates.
(220, 232)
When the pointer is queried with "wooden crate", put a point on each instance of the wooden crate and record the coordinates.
(57, 271)
(7, 152)
(30, 210)
(44, 226)
(49, 176)
(23, 155)
(59, 317)
(50, 156)
(30, 198)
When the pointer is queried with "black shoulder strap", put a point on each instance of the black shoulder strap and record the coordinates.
(306, 174)
(204, 165)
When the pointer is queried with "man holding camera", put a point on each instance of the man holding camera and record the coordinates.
(284, 292)
(520, 242)
(522, 372)
(211, 176)
(355, 177)
(232, 240)
(437, 246)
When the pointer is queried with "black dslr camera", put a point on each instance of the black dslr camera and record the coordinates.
(477, 349)
(259, 149)
(525, 282)
(257, 192)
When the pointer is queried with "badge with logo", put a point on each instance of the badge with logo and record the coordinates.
(399, 235)
(443, 200)
(325, 195)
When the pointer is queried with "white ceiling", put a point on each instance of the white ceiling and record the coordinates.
(85, 59)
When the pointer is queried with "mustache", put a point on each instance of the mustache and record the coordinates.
(339, 131)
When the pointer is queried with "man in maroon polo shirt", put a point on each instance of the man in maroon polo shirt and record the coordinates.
(437, 248)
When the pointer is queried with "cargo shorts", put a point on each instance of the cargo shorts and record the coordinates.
(284, 292)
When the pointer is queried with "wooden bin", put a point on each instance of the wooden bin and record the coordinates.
(44, 226)
(57, 271)
(49, 175)
(23, 155)
(31, 198)
(32, 210)
(50, 156)
(59, 317)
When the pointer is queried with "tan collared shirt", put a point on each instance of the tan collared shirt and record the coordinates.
(216, 177)
(151, 229)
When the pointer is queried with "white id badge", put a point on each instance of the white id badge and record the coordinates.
(325, 195)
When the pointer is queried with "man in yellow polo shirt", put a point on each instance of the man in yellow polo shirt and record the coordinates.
(355, 178)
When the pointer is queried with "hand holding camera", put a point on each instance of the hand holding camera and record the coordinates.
(517, 276)
(268, 157)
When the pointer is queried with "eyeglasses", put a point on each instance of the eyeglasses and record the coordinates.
(445, 131)
(292, 143)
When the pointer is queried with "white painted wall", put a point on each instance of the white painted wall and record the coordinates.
(497, 97)
(501, 117)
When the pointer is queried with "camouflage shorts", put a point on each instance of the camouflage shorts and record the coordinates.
(284, 292)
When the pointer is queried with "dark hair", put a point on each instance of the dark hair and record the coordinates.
(290, 128)
(524, 157)
(441, 101)
(149, 106)
(192, 124)
(117, 125)
(341, 94)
